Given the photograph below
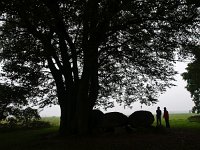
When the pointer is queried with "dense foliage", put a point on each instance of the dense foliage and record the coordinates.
(11, 98)
(13, 107)
(90, 51)
(192, 77)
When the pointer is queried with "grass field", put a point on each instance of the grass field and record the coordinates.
(183, 135)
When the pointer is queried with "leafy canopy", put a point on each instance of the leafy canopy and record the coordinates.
(138, 42)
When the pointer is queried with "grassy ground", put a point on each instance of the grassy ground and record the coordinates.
(183, 135)
(180, 121)
(53, 120)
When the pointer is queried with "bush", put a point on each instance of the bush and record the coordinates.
(12, 121)
(28, 115)
(37, 124)
(194, 118)
(141, 119)
(23, 118)
(4, 126)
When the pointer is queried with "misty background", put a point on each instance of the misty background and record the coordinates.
(177, 99)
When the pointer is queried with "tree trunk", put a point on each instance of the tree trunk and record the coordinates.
(66, 98)
(64, 124)
(82, 111)
(67, 123)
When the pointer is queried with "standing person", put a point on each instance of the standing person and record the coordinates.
(158, 116)
(166, 117)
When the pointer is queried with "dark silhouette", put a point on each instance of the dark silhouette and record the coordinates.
(166, 117)
(158, 116)
(103, 46)
(113, 120)
(193, 85)
(141, 118)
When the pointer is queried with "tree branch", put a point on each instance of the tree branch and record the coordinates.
(61, 31)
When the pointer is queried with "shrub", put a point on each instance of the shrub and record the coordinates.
(12, 121)
(29, 115)
(37, 124)
(141, 119)
(18, 118)
(194, 118)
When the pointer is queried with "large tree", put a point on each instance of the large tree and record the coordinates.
(94, 49)
(192, 77)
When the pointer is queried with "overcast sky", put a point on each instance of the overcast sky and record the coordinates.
(176, 99)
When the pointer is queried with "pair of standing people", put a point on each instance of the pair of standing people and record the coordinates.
(165, 116)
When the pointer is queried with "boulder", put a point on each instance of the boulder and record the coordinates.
(96, 117)
(113, 120)
(141, 119)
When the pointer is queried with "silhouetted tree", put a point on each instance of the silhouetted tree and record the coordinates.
(11, 97)
(192, 77)
(94, 49)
